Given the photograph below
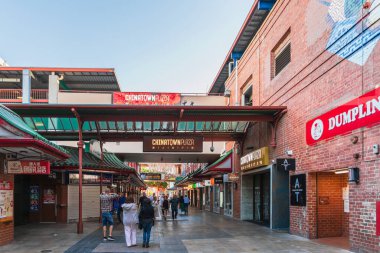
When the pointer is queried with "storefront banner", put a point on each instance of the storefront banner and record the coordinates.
(207, 183)
(363, 111)
(28, 167)
(172, 144)
(212, 181)
(146, 98)
(6, 201)
(218, 180)
(255, 159)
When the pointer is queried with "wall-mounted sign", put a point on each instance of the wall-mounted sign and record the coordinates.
(207, 183)
(151, 176)
(90, 179)
(298, 190)
(360, 112)
(28, 167)
(146, 98)
(255, 159)
(172, 144)
(233, 177)
(34, 198)
(6, 201)
(218, 180)
(286, 164)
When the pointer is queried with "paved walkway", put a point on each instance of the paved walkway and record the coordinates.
(200, 232)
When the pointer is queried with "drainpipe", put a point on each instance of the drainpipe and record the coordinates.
(237, 101)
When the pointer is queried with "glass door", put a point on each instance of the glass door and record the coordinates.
(228, 199)
(216, 207)
(261, 198)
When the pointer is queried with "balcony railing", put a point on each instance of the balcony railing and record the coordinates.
(15, 96)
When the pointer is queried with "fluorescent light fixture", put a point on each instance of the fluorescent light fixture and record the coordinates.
(10, 80)
(39, 124)
(341, 171)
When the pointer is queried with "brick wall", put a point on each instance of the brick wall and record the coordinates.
(317, 80)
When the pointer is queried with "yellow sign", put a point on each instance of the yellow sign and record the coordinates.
(255, 159)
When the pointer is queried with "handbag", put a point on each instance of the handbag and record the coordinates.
(140, 225)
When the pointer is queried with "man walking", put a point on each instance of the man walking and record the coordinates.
(106, 205)
(122, 200)
(174, 206)
(186, 202)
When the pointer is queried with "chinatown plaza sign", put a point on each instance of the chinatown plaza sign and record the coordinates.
(172, 144)
(360, 112)
(255, 159)
(28, 167)
(146, 98)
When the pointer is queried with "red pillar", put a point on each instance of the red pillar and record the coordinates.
(80, 149)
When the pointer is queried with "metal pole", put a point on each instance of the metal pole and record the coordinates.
(80, 150)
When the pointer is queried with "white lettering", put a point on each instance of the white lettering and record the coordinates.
(331, 123)
(355, 112)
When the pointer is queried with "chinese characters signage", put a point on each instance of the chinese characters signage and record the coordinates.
(28, 167)
(360, 112)
(298, 190)
(172, 144)
(255, 159)
(6, 201)
(146, 98)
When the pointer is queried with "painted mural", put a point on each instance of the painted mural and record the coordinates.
(346, 38)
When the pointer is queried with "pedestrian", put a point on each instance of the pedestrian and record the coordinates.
(122, 200)
(130, 220)
(141, 200)
(106, 205)
(181, 204)
(186, 202)
(146, 218)
(165, 207)
(174, 206)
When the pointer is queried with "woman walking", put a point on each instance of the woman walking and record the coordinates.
(130, 220)
(146, 217)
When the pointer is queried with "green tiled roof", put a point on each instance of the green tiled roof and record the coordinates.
(219, 160)
(15, 120)
(92, 162)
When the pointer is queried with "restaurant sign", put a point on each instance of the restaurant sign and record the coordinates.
(255, 159)
(359, 112)
(298, 190)
(172, 144)
(28, 167)
(146, 98)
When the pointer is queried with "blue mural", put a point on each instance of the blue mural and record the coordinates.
(349, 38)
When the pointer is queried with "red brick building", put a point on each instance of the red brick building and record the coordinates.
(313, 57)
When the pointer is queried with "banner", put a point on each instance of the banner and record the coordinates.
(172, 144)
(6, 201)
(28, 167)
(360, 112)
(146, 98)
(255, 159)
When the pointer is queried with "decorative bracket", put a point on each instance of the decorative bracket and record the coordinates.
(274, 125)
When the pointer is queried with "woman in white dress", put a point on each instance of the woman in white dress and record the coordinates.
(130, 221)
(156, 208)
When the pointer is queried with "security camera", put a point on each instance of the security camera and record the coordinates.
(212, 149)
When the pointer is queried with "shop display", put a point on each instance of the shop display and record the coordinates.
(6, 201)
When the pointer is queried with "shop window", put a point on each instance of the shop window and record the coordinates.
(247, 97)
(281, 55)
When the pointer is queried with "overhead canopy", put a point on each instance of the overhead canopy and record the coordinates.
(131, 123)
(19, 140)
(88, 79)
(221, 166)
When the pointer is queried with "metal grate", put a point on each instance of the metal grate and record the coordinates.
(282, 59)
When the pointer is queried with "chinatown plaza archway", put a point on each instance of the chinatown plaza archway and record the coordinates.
(126, 123)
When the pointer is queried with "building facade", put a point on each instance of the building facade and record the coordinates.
(320, 59)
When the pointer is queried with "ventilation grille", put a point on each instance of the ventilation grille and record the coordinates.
(282, 59)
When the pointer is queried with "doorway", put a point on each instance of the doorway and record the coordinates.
(228, 199)
(261, 198)
(216, 207)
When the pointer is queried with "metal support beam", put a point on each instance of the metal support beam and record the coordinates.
(26, 86)
(274, 125)
(80, 156)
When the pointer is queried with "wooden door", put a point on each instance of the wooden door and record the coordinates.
(48, 203)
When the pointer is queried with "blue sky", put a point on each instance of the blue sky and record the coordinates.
(154, 45)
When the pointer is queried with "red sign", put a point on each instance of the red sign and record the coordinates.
(6, 185)
(146, 98)
(28, 167)
(360, 112)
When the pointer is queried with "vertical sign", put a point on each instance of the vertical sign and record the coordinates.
(6, 201)
(34, 198)
(298, 190)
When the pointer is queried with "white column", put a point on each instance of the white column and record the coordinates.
(26, 86)
(53, 89)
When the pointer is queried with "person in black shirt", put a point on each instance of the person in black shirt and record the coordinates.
(141, 200)
(165, 207)
(146, 218)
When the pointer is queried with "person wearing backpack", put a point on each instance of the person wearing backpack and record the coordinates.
(130, 220)
(146, 219)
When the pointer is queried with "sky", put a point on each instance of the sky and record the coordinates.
(154, 45)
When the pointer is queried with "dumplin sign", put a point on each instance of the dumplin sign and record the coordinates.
(363, 111)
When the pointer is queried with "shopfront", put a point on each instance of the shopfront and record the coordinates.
(217, 183)
(265, 190)
(229, 184)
